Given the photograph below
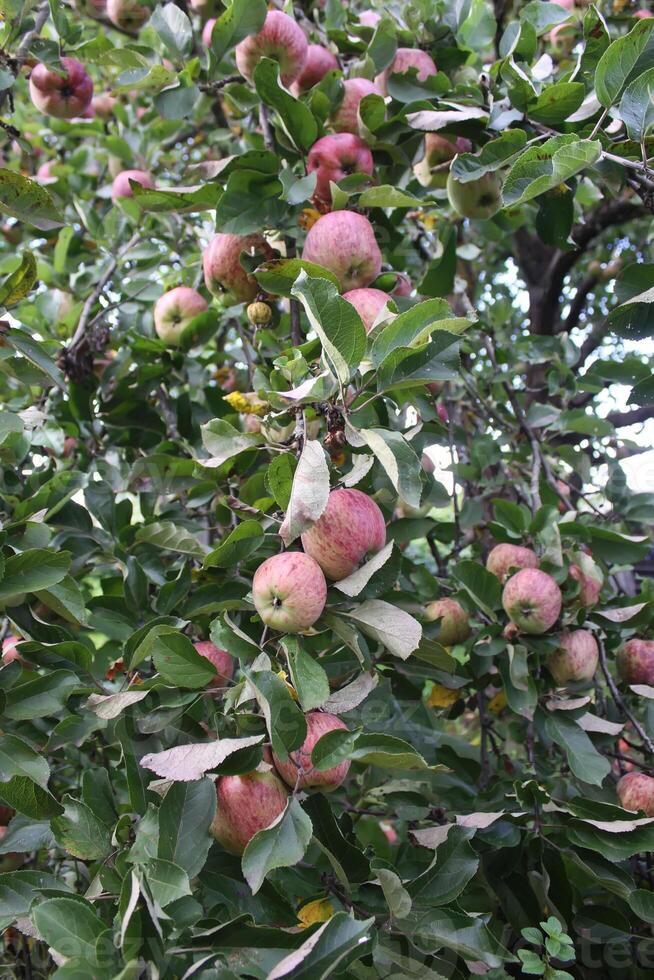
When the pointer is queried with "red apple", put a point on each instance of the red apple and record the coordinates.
(475, 199)
(368, 303)
(246, 805)
(590, 578)
(405, 59)
(121, 186)
(207, 31)
(430, 172)
(369, 18)
(280, 38)
(319, 61)
(44, 174)
(575, 659)
(642, 14)
(104, 105)
(344, 242)
(636, 661)
(299, 763)
(334, 157)
(289, 591)
(351, 528)
(9, 652)
(403, 285)
(174, 311)
(532, 600)
(345, 118)
(220, 659)
(62, 95)
(504, 559)
(636, 792)
(454, 623)
(129, 15)
(222, 266)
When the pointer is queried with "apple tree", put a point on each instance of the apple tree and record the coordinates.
(326, 610)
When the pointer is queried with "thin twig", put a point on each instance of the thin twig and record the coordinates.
(87, 309)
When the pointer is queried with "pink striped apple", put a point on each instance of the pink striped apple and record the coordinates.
(344, 242)
(298, 770)
(64, 94)
(281, 39)
(174, 311)
(289, 591)
(246, 805)
(350, 529)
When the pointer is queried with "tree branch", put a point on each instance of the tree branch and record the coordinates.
(42, 14)
(87, 309)
(633, 417)
(578, 303)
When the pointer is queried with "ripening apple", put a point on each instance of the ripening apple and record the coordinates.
(368, 303)
(636, 661)
(289, 591)
(454, 623)
(350, 529)
(439, 150)
(532, 600)
(223, 271)
(335, 156)
(636, 792)
(9, 651)
(589, 575)
(129, 15)
(405, 59)
(504, 559)
(575, 658)
(174, 311)
(298, 770)
(403, 285)
(369, 18)
(121, 186)
(345, 119)
(344, 242)
(64, 94)
(220, 659)
(475, 199)
(246, 805)
(319, 61)
(281, 39)
(104, 105)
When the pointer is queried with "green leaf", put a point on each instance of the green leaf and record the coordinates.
(642, 903)
(295, 117)
(618, 61)
(319, 956)
(185, 815)
(43, 696)
(279, 478)
(350, 861)
(19, 284)
(383, 45)
(223, 441)
(337, 323)
(285, 721)
(416, 366)
(79, 831)
(251, 201)
(179, 663)
(174, 28)
(463, 934)
(557, 102)
(278, 275)
(415, 327)
(242, 18)
(25, 199)
(583, 758)
(493, 155)
(399, 460)
(65, 599)
(307, 675)
(637, 106)
(281, 845)
(168, 882)
(454, 865)
(239, 544)
(309, 493)
(543, 167)
(544, 16)
(481, 585)
(170, 537)
(387, 196)
(32, 571)
(385, 751)
(70, 926)
(391, 626)
(36, 353)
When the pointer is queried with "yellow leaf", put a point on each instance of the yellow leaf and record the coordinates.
(320, 910)
(291, 689)
(442, 697)
(497, 703)
(248, 403)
